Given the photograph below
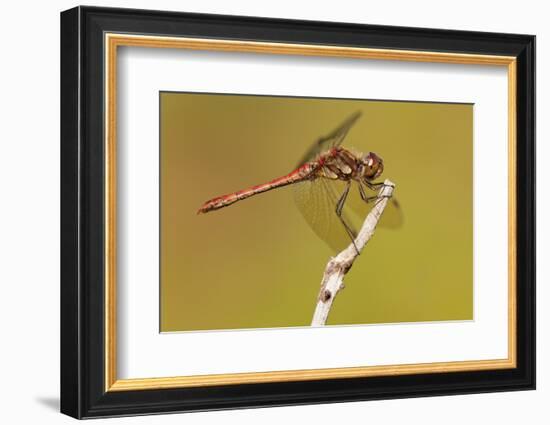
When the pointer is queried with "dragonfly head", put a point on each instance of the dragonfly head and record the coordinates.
(373, 166)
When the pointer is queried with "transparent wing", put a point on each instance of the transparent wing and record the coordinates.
(333, 139)
(393, 215)
(317, 200)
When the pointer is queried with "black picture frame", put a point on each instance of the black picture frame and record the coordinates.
(83, 392)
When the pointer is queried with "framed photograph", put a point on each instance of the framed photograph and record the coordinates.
(261, 212)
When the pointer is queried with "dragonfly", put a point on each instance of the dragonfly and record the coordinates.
(322, 182)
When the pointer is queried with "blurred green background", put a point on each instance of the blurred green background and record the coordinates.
(257, 264)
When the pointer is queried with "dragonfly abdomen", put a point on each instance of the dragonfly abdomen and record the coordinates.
(302, 173)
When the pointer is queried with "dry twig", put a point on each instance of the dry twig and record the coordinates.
(337, 267)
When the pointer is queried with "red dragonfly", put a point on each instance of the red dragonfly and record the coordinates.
(322, 183)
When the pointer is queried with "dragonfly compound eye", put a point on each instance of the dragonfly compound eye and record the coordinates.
(373, 165)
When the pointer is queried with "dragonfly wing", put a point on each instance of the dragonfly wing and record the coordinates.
(317, 199)
(333, 139)
(393, 215)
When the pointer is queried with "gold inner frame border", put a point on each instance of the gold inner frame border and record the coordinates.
(113, 40)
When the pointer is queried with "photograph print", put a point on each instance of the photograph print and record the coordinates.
(258, 193)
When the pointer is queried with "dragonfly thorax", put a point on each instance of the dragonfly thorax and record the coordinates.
(343, 164)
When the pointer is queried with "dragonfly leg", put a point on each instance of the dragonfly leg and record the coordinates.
(372, 186)
(339, 208)
(366, 198)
